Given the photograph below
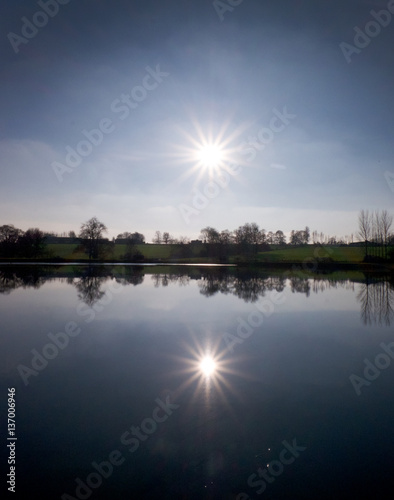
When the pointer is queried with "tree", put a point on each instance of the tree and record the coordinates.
(91, 234)
(157, 238)
(306, 235)
(183, 240)
(123, 236)
(270, 238)
(210, 235)
(380, 232)
(132, 253)
(248, 238)
(386, 222)
(31, 244)
(166, 238)
(280, 238)
(297, 237)
(364, 228)
(137, 238)
(9, 236)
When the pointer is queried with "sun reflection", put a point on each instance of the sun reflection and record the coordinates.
(207, 374)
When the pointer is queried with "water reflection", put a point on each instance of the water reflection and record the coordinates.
(376, 293)
(377, 300)
(11, 279)
(165, 279)
(205, 375)
(89, 289)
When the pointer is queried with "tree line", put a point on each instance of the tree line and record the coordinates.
(374, 231)
(248, 239)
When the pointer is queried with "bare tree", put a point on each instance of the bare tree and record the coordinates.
(91, 232)
(166, 238)
(386, 221)
(183, 240)
(381, 223)
(364, 228)
(306, 235)
(157, 238)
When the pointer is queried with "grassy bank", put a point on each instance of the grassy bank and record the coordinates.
(157, 252)
(329, 256)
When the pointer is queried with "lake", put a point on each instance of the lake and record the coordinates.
(196, 382)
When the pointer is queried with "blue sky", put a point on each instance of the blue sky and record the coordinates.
(194, 74)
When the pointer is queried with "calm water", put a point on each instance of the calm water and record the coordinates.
(121, 409)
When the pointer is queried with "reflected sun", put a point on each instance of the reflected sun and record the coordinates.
(208, 372)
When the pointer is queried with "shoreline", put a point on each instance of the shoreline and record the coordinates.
(296, 266)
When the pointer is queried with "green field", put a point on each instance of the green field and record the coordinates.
(297, 254)
(149, 251)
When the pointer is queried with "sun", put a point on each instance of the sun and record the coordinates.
(206, 149)
(210, 156)
(208, 366)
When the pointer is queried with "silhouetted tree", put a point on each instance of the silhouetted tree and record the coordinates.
(157, 238)
(91, 233)
(166, 238)
(31, 244)
(210, 235)
(364, 228)
(9, 236)
(386, 222)
(280, 238)
(137, 238)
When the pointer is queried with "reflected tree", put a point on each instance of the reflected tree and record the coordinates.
(11, 279)
(300, 285)
(89, 289)
(377, 302)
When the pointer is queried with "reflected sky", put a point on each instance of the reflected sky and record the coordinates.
(283, 349)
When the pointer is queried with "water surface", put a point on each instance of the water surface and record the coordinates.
(291, 350)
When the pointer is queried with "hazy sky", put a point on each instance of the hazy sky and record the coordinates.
(161, 78)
